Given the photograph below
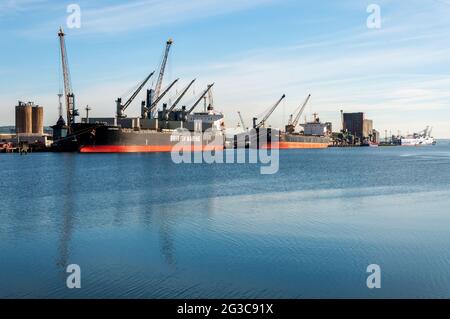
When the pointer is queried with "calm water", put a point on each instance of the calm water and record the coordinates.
(142, 227)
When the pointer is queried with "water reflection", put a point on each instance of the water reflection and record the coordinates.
(68, 211)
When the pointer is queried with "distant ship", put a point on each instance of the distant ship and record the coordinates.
(315, 134)
(423, 138)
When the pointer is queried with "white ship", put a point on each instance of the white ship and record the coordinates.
(420, 139)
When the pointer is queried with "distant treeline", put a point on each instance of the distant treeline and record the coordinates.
(7, 129)
(12, 129)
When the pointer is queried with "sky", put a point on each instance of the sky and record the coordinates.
(253, 50)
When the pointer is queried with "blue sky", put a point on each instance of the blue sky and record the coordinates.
(254, 50)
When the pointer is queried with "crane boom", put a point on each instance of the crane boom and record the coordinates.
(293, 122)
(154, 104)
(121, 108)
(272, 109)
(200, 99)
(69, 96)
(132, 97)
(242, 120)
(181, 96)
(163, 68)
(302, 109)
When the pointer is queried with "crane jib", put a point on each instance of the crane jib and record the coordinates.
(200, 99)
(263, 121)
(131, 99)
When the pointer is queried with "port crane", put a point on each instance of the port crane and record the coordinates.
(163, 68)
(154, 94)
(152, 107)
(72, 112)
(293, 122)
(180, 97)
(242, 121)
(200, 99)
(272, 109)
(121, 108)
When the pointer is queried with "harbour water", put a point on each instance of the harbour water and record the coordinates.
(141, 226)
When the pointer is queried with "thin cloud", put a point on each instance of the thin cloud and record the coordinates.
(150, 13)
(14, 6)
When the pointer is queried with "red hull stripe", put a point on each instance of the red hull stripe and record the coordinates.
(145, 148)
(295, 145)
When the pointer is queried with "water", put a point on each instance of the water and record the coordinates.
(140, 226)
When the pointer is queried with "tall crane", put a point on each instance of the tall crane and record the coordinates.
(121, 108)
(242, 121)
(200, 99)
(293, 122)
(163, 68)
(71, 111)
(155, 103)
(272, 109)
(178, 100)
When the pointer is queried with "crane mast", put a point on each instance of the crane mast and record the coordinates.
(200, 99)
(272, 109)
(293, 122)
(71, 111)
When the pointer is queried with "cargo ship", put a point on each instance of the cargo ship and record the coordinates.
(275, 139)
(189, 136)
(315, 135)
(168, 130)
(423, 138)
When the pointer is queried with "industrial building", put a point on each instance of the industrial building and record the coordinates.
(29, 128)
(357, 125)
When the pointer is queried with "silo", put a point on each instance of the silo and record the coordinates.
(24, 118)
(38, 120)
(28, 115)
(19, 118)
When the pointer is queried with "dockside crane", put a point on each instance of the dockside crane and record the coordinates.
(163, 68)
(272, 109)
(242, 121)
(200, 99)
(121, 108)
(71, 110)
(180, 97)
(293, 122)
(154, 94)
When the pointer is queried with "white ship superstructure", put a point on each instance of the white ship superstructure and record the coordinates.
(420, 139)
